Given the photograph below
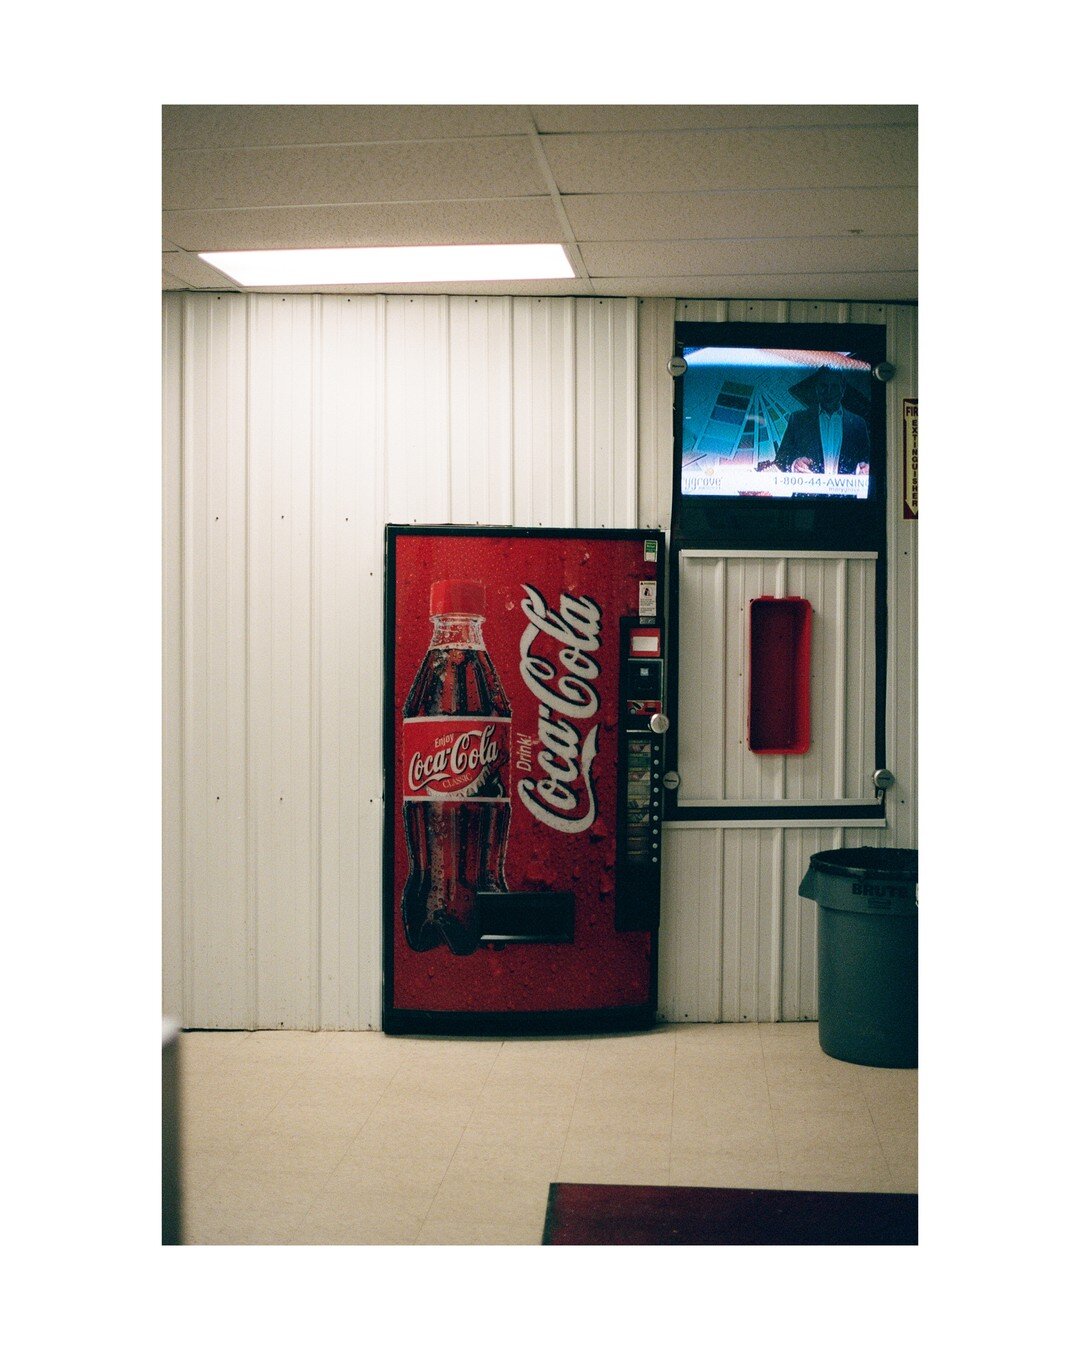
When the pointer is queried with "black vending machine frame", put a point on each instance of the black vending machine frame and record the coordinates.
(412, 1021)
(787, 525)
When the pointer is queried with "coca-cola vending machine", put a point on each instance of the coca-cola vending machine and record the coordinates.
(523, 760)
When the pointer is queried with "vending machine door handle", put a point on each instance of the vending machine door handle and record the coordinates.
(659, 723)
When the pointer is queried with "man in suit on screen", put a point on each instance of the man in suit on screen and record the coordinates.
(826, 438)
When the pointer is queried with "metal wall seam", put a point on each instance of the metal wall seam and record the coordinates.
(566, 456)
(349, 394)
(315, 668)
(194, 822)
(481, 410)
(655, 394)
(251, 797)
(718, 663)
(172, 745)
(731, 922)
(545, 419)
(624, 364)
(332, 505)
(840, 747)
(214, 868)
(281, 413)
(588, 393)
(690, 936)
(204, 913)
(235, 517)
(776, 929)
(708, 931)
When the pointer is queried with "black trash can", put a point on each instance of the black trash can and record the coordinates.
(868, 951)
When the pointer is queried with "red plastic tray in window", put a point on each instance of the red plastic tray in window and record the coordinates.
(779, 716)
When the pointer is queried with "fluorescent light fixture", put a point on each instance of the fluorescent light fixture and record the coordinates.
(394, 266)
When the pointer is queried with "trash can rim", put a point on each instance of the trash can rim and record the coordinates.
(851, 862)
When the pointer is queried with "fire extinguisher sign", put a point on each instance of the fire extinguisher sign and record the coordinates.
(911, 459)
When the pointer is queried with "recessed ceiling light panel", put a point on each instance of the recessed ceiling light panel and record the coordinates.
(393, 266)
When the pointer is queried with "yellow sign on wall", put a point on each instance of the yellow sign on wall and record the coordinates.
(911, 459)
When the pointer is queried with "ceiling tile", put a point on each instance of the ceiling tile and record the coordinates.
(518, 220)
(879, 286)
(215, 126)
(696, 116)
(738, 257)
(734, 215)
(339, 175)
(726, 160)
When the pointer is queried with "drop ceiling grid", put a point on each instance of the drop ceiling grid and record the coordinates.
(752, 202)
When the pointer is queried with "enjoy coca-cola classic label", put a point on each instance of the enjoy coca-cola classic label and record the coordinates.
(454, 757)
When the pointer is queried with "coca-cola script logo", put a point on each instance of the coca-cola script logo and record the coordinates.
(452, 757)
(564, 799)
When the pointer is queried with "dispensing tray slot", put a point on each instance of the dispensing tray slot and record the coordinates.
(525, 916)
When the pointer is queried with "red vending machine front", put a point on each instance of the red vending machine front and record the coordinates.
(524, 722)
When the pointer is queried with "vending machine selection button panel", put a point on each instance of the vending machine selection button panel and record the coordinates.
(641, 686)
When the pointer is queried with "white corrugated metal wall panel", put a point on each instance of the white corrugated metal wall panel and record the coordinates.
(737, 942)
(481, 411)
(606, 339)
(545, 415)
(172, 662)
(690, 940)
(350, 491)
(283, 660)
(656, 328)
(295, 427)
(715, 592)
(214, 663)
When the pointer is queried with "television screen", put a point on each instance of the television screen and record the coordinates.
(775, 422)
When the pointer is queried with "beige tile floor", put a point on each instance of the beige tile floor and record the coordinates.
(359, 1138)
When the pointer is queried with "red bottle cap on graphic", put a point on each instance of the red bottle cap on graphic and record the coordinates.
(458, 597)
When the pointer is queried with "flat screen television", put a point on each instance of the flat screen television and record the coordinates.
(779, 433)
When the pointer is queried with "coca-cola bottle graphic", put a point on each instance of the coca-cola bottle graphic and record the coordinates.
(455, 762)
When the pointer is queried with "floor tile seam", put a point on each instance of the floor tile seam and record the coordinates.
(671, 1103)
(773, 1132)
(573, 1109)
(211, 1234)
(294, 1079)
(257, 1124)
(461, 1135)
(351, 1140)
(893, 1180)
(223, 1163)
